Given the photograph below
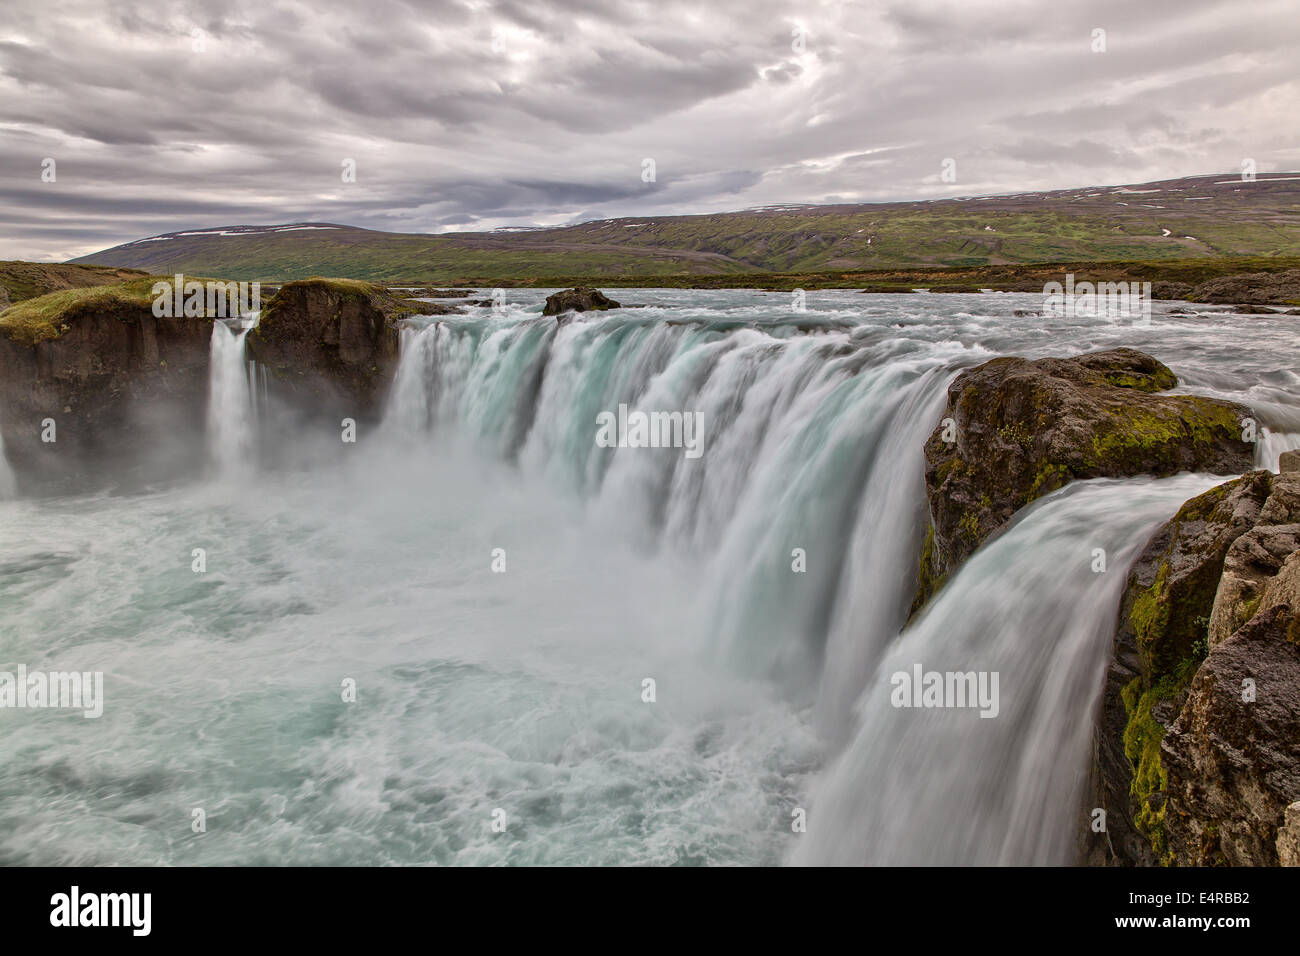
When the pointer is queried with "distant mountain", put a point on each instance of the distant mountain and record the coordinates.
(1201, 216)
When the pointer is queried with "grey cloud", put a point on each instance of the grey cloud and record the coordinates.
(450, 133)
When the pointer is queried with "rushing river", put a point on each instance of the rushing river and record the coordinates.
(476, 636)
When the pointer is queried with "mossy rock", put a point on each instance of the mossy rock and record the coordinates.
(1176, 589)
(1023, 429)
(50, 316)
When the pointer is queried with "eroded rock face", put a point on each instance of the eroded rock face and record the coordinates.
(126, 393)
(581, 299)
(1261, 562)
(1190, 625)
(1232, 757)
(1016, 429)
(331, 345)
(1288, 837)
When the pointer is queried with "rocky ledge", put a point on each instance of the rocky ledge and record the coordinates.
(94, 388)
(1195, 749)
(1016, 429)
(91, 383)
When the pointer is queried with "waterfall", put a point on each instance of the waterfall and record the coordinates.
(924, 786)
(8, 485)
(813, 445)
(762, 586)
(231, 396)
(804, 518)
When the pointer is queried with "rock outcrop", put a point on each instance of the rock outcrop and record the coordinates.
(95, 388)
(1016, 429)
(331, 345)
(1256, 288)
(1193, 765)
(1231, 758)
(581, 299)
(1288, 837)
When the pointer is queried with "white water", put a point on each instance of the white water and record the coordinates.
(947, 786)
(523, 690)
(231, 397)
(8, 485)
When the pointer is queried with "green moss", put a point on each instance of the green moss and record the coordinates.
(1201, 507)
(953, 466)
(1162, 623)
(1246, 610)
(928, 582)
(1137, 439)
(48, 316)
(1142, 737)
(1162, 380)
(1149, 615)
(1049, 478)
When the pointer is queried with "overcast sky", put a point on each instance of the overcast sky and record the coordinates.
(165, 116)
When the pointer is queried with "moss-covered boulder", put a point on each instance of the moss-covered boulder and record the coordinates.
(1179, 585)
(331, 345)
(1016, 429)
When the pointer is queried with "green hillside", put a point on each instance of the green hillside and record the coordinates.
(1202, 217)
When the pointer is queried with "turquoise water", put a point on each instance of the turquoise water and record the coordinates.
(522, 690)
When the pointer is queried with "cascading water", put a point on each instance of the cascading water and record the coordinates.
(231, 396)
(801, 431)
(945, 785)
(8, 485)
(501, 587)
(816, 446)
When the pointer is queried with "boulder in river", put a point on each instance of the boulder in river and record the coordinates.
(580, 299)
(1016, 429)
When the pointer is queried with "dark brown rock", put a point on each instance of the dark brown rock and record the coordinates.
(1256, 288)
(1170, 290)
(1163, 617)
(580, 299)
(126, 392)
(331, 345)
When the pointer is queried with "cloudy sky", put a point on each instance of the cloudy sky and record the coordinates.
(476, 114)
